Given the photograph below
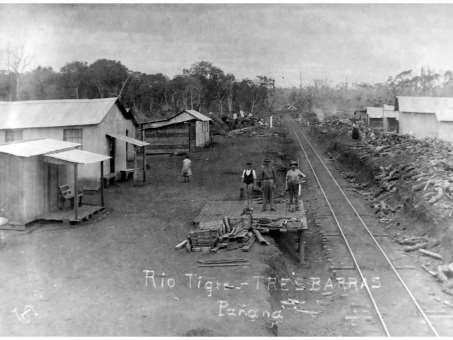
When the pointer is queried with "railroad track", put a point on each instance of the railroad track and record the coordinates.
(403, 316)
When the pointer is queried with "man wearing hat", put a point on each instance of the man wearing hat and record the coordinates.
(248, 179)
(267, 178)
(293, 178)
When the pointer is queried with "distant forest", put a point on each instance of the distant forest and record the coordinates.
(206, 88)
(344, 99)
(203, 87)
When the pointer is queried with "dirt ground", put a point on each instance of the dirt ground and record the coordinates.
(89, 279)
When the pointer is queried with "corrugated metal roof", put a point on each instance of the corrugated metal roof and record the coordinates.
(181, 117)
(36, 147)
(389, 111)
(375, 112)
(128, 139)
(442, 107)
(79, 157)
(53, 113)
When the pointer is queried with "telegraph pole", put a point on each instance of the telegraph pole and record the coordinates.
(300, 82)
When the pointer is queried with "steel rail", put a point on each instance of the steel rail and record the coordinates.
(414, 300)
(356, 264)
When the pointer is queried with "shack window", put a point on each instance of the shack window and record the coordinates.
(73, 135)
(13, 135)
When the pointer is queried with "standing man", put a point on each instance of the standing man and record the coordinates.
(186, 171)
(355, 131)
(267, 178)
(235, 120)
(293, 178)
(248, 179)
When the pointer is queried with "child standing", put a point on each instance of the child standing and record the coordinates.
(186, 169)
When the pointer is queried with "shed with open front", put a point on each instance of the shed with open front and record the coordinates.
(31, 179)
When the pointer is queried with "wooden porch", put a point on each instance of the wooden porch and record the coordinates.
(84, 213)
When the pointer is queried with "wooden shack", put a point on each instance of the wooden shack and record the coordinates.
(426, 116)
(31, 175)
(375, 116)
(390, 118)
(184, 132)
(101, 126)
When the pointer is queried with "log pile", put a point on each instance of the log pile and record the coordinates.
(423, 166)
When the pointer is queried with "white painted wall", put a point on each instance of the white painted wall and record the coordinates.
(446, 131)
(94, 140)
(419, 125)
(114, 122)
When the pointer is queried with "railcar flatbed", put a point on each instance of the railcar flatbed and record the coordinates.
(281, 220)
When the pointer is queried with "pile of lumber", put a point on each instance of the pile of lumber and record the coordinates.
(231, 234)
(227, 262)
(445, 275)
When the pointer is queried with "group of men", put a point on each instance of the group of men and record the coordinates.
(267, 181)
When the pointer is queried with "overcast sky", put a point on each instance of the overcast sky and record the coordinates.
(336, 42)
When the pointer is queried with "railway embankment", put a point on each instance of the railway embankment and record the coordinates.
(408, 182)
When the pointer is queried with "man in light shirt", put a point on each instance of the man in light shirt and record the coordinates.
(267, 179)
(293, 179)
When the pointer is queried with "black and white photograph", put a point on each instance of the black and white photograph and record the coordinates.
(226, 169)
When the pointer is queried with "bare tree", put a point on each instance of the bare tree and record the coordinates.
(15, 61)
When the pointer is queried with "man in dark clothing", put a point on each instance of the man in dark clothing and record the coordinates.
(267, 178)
(248, 180)
(355, 131)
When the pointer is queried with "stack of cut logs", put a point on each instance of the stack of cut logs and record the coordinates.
(424, 165)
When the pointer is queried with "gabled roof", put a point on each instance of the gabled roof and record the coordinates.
(375, 112)
(441, 107)
(198, 115)
(55, 113)
(181, 117)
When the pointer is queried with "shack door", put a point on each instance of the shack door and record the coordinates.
(192, 136)
(111, 147)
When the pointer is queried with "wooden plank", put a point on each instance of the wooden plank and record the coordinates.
(165, 151)
(85, 211)
(169, 146)
(163, 134)
(168, 140)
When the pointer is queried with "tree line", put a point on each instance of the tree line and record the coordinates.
(203, 87)
(206, 88)
(324, 98)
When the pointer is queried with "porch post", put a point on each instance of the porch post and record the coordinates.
(144, 164)
(102, 183)
(76, 193)
(144, 156)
